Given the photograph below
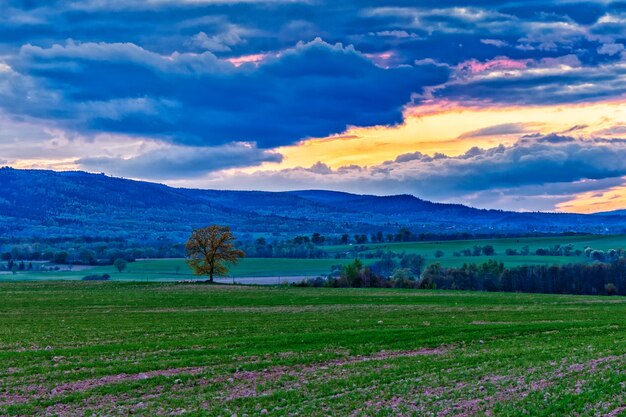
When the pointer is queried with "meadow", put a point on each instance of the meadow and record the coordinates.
(177, 270)
(285, 268)
(79, 348)
(429, 249)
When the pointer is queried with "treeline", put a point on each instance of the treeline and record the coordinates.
(87, 252)
(298, 247)
(597, 278)
(261, 245)
(585, 279)
(401, 235)
(477, 250)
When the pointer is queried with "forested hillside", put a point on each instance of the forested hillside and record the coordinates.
(50, 204)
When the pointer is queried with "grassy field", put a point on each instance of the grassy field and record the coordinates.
(602, 242)
(428, 249)
(176, 269)
(76, 348)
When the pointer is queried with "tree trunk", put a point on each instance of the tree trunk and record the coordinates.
(211, 276)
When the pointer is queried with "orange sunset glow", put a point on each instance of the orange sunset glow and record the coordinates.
(439, 128)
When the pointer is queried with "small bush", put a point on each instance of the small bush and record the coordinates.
(488, 250)
(610, 289)
(103, 277)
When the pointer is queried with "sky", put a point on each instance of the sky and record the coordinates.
(517, 105)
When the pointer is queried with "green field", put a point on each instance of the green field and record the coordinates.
(76, 348)
(176, 269)
(602, 242)
(428, 249)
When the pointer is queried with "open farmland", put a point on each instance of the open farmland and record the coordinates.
(428, 249)
(249, 269)
(74, 348)
(602, 242)
(285, 268)
(177, 270)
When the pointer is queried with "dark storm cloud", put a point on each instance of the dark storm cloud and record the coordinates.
(313, 89)
(449, 31)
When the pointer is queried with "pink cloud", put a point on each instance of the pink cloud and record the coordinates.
(255, 59)
(381, 58)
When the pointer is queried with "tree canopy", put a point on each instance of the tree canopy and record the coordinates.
(120, 264)
(211, 250)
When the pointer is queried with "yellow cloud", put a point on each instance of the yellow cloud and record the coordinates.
(444, 126)
(437, 127)
(613, 198)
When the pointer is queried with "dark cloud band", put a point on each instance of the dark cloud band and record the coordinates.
(313, 89)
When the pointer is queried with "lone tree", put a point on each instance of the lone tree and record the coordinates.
(120, 264)
(210, 250)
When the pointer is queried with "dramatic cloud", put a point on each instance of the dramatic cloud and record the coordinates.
(176, 162)
(314, 89)
(188, 90)
(530, 82)
(533, 166)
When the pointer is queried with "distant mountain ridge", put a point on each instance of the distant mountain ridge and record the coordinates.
(611, 213)
(49, 203)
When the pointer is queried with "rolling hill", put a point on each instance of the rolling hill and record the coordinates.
(50, 204)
